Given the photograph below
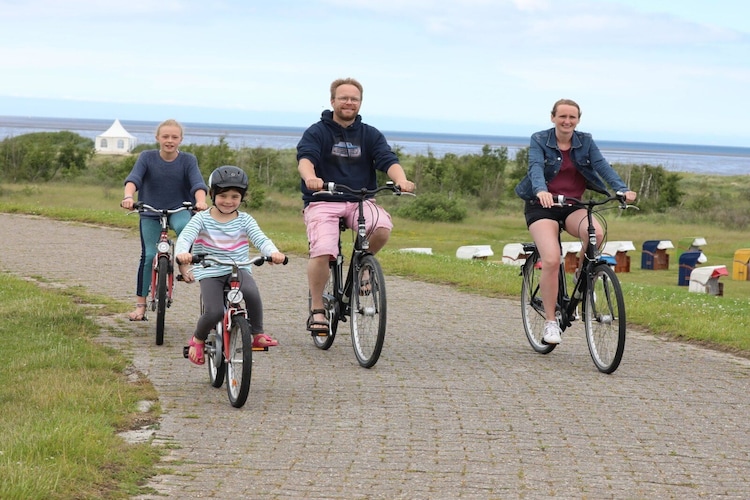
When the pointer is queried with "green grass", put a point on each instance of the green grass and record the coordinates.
(63, 398)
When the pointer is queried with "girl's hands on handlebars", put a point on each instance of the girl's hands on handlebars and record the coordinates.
(277, 258)
(184, 260)
(127, 203)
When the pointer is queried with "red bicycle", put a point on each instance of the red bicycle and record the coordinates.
(229, 347)
(162, 268)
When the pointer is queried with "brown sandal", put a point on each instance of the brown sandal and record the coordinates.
(135, 315)
(317, 327)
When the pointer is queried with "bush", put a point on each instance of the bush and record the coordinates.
(433, 208)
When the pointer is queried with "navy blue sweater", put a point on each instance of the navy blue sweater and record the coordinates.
(165, 184)
(348, 155)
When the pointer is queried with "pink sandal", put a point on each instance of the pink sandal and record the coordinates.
(199, 359)
(262, 341)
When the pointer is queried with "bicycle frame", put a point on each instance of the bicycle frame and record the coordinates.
(596, 287)
(361, 295)
(160, 293)
(164, 248)
(234, 359)
(591, 257)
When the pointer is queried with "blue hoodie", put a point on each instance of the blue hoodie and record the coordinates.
(347, 156)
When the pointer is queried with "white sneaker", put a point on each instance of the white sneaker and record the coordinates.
(551, 333)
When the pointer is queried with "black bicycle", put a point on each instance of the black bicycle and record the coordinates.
(361, 297)
(596, 286)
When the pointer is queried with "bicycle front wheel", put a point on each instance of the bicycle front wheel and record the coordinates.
(604, 319)
(239, 366)
(162, 268)
(532, 309)
(368, 311)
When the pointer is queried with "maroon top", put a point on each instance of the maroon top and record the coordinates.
(568, 181)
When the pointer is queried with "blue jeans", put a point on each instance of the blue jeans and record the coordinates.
(150, 232)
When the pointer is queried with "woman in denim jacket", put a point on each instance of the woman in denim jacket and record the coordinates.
(562, 161)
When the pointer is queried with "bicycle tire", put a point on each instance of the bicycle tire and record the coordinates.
(214, 353)
(331, 305)
(604, 319)
(239, 366)
(162, 269)
(532, 309)
(368, 312)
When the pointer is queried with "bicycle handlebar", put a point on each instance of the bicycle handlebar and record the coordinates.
(335, 188)
(208, 260)
(619, 196)
(144, 207)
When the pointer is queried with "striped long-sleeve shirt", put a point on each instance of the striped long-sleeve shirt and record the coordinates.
(226, 240)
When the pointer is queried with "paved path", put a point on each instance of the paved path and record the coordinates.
(458, 406)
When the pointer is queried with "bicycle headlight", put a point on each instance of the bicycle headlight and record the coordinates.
(163, 247)
(234, 296)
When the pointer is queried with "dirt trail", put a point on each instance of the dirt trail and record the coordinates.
(458, 406)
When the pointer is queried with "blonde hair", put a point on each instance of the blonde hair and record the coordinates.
(344, 81)
(569, 102)
(170, 123)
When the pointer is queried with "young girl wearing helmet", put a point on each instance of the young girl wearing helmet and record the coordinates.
(223, 231)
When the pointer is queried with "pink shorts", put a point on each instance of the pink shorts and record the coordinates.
(322, 221)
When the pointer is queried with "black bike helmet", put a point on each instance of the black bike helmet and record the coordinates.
(227, 176)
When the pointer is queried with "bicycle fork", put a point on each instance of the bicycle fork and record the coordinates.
(155, 273)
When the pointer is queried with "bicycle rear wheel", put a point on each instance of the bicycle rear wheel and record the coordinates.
(239, 366)
(532, 309)
(368, 311)
(331, 306)
(162, 268)
(604, 319)
(214, 353)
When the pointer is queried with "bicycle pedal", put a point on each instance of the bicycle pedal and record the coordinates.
(260, 348)
(185, 351)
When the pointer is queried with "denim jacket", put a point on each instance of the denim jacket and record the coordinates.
(545, 161)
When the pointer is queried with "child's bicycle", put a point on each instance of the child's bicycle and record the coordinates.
(366, 308)
(229, 347)
(162, 268)
(596, 286)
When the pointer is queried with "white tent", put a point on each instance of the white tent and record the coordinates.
(116, 140)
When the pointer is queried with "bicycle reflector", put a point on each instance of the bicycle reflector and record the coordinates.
(163, 247)
(234, 296)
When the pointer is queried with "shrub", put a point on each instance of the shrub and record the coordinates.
(433, 208)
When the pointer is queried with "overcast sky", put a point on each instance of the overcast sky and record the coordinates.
(642, 70)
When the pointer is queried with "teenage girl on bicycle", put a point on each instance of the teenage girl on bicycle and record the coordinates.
(164, 178)
(562, 161)
(223, 231)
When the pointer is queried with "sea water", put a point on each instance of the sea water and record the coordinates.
(720, 160)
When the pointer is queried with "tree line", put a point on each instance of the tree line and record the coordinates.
(448, 186)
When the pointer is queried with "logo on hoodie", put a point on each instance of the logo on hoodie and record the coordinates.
(346, 149)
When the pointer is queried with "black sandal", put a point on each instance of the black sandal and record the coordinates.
(316, 327)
